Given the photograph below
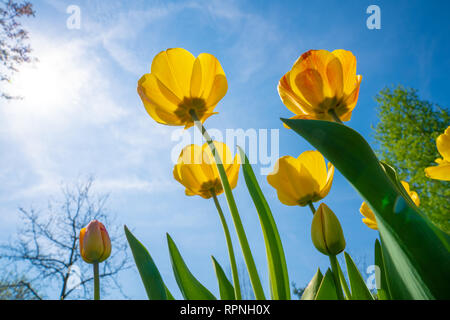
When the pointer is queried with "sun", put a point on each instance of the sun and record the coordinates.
(49, 83)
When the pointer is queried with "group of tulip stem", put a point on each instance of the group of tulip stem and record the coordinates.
(321, 216)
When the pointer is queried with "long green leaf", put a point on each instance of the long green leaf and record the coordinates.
(327, 289)
(357, 284)
(190, 287)
(276, 260)
(415, 251)
(225, 287)
(313, 287)
(382, 283)
(151, 278)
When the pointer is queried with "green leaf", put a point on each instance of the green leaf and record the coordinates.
(190, 287)
(416, 253)
(225, 287)
(357, 284)
(313, 287)
(348, 295)
(151, 278)
(382, 283)
(276, 260)
(327, 289)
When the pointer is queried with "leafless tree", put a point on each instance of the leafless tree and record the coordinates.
(14, 49)
(46, 248)
(13, 287)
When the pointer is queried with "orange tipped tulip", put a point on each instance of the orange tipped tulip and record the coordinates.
(95, 245)
(321, 85)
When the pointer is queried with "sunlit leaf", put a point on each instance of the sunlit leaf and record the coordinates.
(151, 278)
(190, 287)
(313, 287)
(327, 289)
(276, 260)
(225, 287)
(357, 284)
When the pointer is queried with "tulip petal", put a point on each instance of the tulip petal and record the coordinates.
(153, 99)
(233, 172)
(367, 212)
(218, 91)
(335, 77)
(443, 144)
(440, 172)
(280, 179)
(173, 68)
(314, 162)
(311, 86)
(326, 188)
(291, 100)
(348, 65)
(369, 219)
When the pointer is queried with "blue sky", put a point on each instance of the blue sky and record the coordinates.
(81, 113)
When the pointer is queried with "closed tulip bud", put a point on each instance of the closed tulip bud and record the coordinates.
(95, 245)
(326, 232)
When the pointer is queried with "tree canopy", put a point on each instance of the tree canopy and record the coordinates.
(405, 137)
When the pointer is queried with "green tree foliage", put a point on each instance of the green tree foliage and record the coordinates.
(406, 139)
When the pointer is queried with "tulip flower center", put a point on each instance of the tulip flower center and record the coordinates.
(211, 186)
(190, 104)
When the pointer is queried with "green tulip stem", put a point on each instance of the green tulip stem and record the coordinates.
(311, 206)
(234, 270)
(96, 282)
(333, 113)
(248, 257)
(337, 282)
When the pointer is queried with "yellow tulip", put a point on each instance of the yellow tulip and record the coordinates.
(180, 83)
(321, 85)
(303, 180)
(197, 171)
(442, 170)
(326, 232)
(369, 217)
(95, 245)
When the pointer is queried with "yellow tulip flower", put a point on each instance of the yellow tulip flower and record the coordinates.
(303, 180)
(321, 85)
(197, 171)
(442, 170)
(95, 245)
(369, 217)
(180, 83)
(326, 232)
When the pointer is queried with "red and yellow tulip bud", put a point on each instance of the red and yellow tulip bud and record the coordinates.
(180, 83)
(442, 170)
(196, 169)
(321, 82)
(303, 180)
(95, 245)
(326, 232)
